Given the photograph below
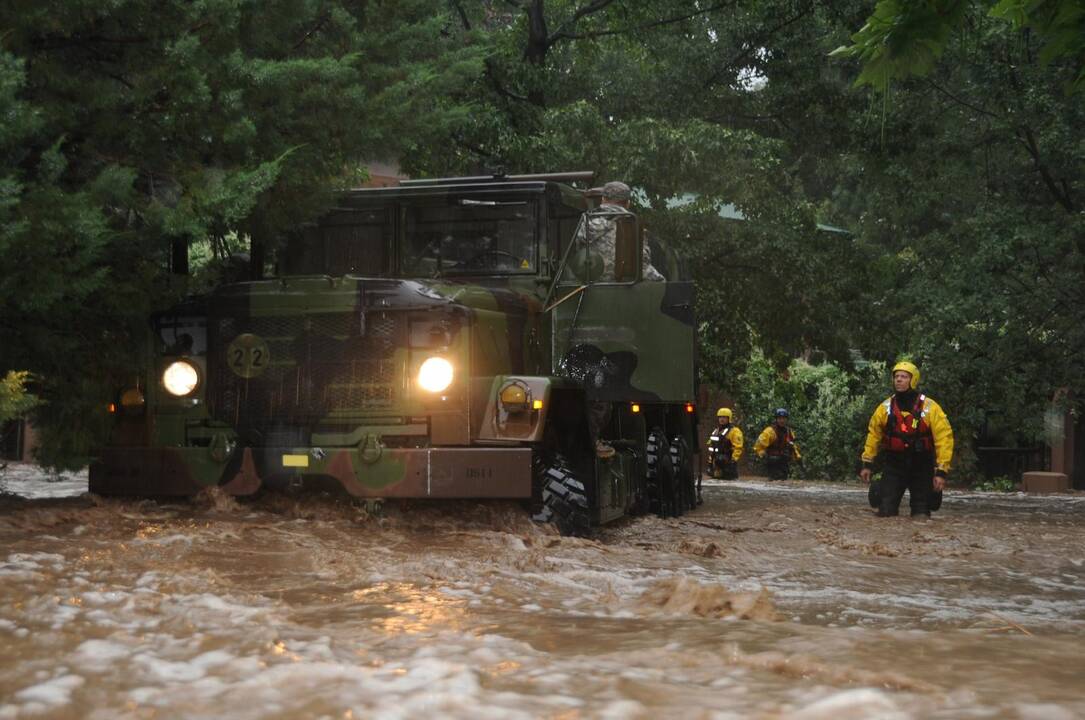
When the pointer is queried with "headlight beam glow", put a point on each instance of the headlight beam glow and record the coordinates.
(180, 378)
(435, 375)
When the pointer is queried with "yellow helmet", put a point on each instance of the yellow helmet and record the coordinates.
(724, 412)
(910, 369)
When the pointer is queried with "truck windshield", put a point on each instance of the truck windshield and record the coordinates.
(347, 241)
(464, 236)
(180, 334)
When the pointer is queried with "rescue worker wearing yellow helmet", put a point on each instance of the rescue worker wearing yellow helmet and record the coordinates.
(725, 446)
(915, 439)
(776, 446)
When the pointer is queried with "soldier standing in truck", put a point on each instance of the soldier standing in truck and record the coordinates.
(599, 231)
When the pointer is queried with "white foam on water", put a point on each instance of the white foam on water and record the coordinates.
(1030, 609)
(920, 601)
(19, 575)
(164, 540)
(621, 709)
(440, 677)
(63, 615)
(110, 618)
(214, 608)
(591, 580)
(34, 561)
(167, 671)
(854, 704)
(57, 691)
(469, 593)
(32, 482)
(1051, 585)
(1044, 711)
(96, 655)
(105, 597)
(149, 579)
(144, 695)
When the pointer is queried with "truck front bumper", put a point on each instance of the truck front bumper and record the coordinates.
(440, 472)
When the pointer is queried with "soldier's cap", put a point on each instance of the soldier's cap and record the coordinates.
(616, 190)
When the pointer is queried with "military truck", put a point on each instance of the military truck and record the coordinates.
(446, 338)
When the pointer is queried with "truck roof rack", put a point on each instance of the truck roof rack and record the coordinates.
(585, 175)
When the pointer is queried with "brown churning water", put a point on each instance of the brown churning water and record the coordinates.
(782, 600)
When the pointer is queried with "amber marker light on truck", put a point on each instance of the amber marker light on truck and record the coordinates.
(435, 374)
(180, 378)
(514, 397)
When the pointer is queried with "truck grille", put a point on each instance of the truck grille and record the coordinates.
(320, 365)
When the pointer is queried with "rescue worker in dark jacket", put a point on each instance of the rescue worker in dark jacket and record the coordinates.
(915, 440)
(724, 447)
(776, 446)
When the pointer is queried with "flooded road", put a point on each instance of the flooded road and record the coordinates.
(771, 600)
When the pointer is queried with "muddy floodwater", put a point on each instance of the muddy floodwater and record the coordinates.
(771, 600)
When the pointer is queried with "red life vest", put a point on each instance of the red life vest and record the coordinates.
(908, 432)
(783, 442)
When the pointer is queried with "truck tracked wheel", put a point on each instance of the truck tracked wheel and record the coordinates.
(564, 501)
(663, 476)
(685, 485)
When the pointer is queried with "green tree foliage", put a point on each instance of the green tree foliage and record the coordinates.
(676, 99)
(14, 398)
(126, 123)
(961, 188)
(905, 38)
(829, 407)
(973, 202)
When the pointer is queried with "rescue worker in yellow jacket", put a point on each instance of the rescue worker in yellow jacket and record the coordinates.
(915, 439)
(776, 446)
(725, 446)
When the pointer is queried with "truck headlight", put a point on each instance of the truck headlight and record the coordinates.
(180, 378)
(435, 375)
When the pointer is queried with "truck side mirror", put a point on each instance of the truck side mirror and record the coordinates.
(627, 250)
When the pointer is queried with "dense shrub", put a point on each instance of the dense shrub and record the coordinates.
(14, 399)
(829, 407)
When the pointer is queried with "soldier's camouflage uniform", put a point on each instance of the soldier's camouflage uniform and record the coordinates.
(600, 231)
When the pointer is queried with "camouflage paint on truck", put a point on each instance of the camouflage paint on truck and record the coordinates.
(317, 375)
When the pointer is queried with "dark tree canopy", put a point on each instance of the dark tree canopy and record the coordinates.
(129, 123)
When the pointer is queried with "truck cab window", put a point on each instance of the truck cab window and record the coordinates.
(350, 242)
(470, 237)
